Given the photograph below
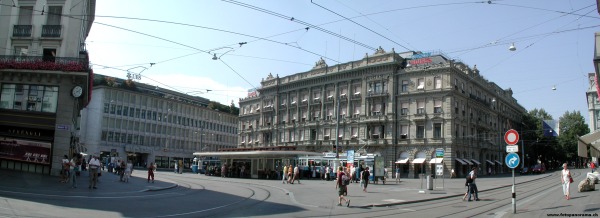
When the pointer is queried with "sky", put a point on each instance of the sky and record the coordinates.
(554, 41)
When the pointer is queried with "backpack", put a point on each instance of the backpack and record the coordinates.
(469, 180)
(345, 180)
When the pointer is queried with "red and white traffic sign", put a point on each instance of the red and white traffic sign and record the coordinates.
(511, 137)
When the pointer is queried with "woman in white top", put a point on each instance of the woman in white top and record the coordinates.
(565, 179)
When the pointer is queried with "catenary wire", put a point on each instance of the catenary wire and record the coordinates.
(369, 29)
(298, 21)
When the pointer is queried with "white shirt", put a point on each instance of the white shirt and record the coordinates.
(473, 176)
(565, 175)
(94, 163)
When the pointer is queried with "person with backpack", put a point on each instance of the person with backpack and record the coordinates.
(473, 186)
(467, 184)
(341, 184)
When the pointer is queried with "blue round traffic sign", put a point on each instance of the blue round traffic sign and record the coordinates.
(512, 160)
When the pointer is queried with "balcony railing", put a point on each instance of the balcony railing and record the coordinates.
(22, 30)
(51, 30)
(44, 63)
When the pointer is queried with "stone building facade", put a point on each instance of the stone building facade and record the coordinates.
(402, 106)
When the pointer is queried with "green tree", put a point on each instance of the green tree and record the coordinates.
(572, 125)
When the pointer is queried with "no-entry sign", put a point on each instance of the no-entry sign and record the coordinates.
(511, 137)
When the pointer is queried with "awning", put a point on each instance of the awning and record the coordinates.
(475, 161)
(498, 162)
(418, 160)
(467, 161)
(437, 160)
(490, 162)
(461, 161)
(402, 161)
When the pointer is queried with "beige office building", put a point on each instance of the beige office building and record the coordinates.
(402, 106)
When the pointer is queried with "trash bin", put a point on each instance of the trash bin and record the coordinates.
(195, 168)
(429, 182)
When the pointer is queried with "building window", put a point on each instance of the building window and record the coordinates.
(420, 84)
(404, 86)
(437, 130)
(437, 106)
(403, 131)
(404, 108)
(29, 97)
(420, 131)
(420, 107)
(437, 82)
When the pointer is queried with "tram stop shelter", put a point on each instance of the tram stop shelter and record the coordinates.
(261, 164)
(592, 140)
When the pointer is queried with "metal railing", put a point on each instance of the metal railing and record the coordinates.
(22, 30)
(44, 63)
(51, 30)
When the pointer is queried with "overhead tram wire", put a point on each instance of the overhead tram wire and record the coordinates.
(340, 2)
(219, 30)
(376, 33)
(172, 88)
(499, 43)
(519, 31)
(237, 73)
(83, 19)
(542, 9)
(528, 46)
(299, 21)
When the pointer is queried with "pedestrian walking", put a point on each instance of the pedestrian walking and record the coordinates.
(398, 175)
(593, 166)
(340, 185)
(296, 174)
(452, 174)
(66, 167)
(566, 180)
(94, 164)
(151, 169)
(290, 174)
(364, 179)
(122, 166)
(73, 168)
(128, 171)
(467, 185)
(284, 173)
(176, 167)
(473, 187)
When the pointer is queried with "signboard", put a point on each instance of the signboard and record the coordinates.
(512, 148)
(439, 170)
(25, 150)
(439, 153)
(62, 127)
(329, 155)
(378, 171)
(350, 156)
(511, 137)
(512, 160)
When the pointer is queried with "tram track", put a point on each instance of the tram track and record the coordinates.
(256, 195)
(415, 208)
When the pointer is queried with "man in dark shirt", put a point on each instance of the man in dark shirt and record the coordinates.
(341, 187)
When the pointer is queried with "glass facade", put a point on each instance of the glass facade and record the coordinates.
(29, 97)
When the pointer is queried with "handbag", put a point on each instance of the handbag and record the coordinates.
(570, 179)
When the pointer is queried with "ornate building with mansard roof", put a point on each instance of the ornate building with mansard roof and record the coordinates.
(402, 106)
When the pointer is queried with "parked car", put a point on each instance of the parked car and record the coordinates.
(539, 169)
(525, 170)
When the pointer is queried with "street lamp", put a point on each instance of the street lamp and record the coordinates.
(219, 57)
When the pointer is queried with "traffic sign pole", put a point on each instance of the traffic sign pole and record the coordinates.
(512, 161)
(514, 196)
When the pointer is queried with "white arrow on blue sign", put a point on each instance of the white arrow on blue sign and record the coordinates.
(512, 160)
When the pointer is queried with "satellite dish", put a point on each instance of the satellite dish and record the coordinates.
(512, 47)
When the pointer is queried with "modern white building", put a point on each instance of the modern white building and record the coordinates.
(146, 124)
(402, 106)
(45, 81)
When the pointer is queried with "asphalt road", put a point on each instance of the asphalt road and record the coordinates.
(202, 196)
